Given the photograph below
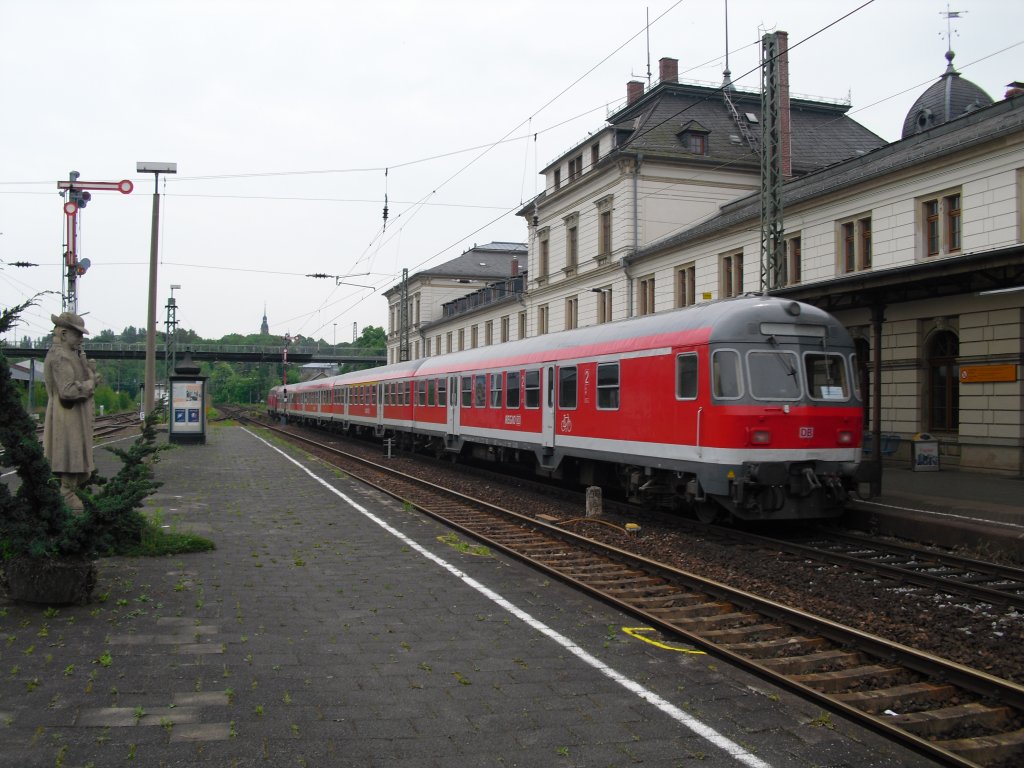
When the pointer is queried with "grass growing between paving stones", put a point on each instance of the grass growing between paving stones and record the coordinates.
(453, 541)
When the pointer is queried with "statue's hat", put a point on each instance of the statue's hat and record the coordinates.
(69, 320)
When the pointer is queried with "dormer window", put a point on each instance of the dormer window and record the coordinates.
(696, 143)
(694, 138)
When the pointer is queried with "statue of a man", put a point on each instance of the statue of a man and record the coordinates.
(70, 383)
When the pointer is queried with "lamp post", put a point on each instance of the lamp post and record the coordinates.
(150, 381)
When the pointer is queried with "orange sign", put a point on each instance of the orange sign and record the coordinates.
(977, 374)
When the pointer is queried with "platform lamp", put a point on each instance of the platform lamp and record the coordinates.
(150, 374)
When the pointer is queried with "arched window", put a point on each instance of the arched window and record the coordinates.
(943, 382)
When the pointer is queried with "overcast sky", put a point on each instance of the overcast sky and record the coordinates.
(283, 116)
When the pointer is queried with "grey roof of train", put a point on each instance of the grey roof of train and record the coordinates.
(722, 314)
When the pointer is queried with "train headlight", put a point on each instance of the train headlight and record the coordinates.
(845, 437)
(760, 437)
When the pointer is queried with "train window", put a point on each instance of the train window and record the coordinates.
(512, 389)
(725, 374)
(442, 393)
(686, 376)
(773, 375)
(567, 387)
(608, 386)
(826, 376)
(431, 390)
(480, 391)
(421, 393)
(373, 394)
(467, 391)
(495, 390)
(531, 384)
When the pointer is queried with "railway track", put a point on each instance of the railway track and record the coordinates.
(114, 423)
(976, 580)
(956, 714)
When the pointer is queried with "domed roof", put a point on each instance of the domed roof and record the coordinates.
(949, 98)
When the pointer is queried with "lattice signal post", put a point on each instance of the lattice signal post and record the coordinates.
(76, 195)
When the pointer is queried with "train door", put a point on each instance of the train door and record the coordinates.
(378, 389)
(548, 408)
(453, 405)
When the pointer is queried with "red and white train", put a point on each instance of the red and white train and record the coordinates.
(747, 406)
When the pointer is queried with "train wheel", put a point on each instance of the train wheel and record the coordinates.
(706, 511)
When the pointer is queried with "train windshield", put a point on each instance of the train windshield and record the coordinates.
(826, 376)
(774, 375)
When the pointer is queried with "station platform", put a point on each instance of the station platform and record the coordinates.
(948, 508)
(334, 627)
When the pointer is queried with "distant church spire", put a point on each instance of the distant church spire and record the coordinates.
(264, 328)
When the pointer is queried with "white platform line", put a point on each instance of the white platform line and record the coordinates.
(733, 749)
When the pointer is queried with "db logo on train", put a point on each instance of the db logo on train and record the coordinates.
(806, 433)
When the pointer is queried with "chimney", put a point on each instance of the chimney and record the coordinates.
(515, 267)
(668, 70)
(785, 131)
(634, 90)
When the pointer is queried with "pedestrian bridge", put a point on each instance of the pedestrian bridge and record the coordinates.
(231, 353)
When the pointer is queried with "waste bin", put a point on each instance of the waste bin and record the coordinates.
(924, 452)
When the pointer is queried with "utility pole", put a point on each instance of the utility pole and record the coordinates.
(403, 323)
(154, 238)
(773, 115)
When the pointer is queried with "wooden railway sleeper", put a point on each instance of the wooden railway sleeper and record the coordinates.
(777, 648)
(699, 625)
(746, 632)
(695, 611)
(841, 680)
(814, 662)
(945, 721)
(987, 750)
(899, 698)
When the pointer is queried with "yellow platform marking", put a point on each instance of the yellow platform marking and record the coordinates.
(638, 633)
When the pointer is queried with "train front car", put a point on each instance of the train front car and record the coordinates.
(782, 434)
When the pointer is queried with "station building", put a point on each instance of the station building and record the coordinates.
(915, 245)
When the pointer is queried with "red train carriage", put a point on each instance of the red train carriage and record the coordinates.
(745, 405)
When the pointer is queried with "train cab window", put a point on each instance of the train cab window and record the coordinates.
(480, 391)
(467, 391)
(495, 390)
(531, 385)
(512, 389)
(442, 393)
(826, 376)
(773, 375)
(421, 393)
(686, 376)
(567, 387)
(607, 386)
(725, 374)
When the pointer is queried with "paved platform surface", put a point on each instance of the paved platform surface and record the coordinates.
(333, 627)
